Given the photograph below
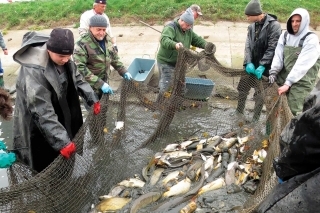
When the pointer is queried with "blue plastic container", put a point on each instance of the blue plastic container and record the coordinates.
(198, 88)
(142, 69)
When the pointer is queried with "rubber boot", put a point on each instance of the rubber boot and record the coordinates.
(241, 103)
(1, 82)
(257, 109)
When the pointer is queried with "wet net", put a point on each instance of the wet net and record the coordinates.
(108, 153)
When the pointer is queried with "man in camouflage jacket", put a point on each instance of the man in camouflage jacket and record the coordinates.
(93, 56)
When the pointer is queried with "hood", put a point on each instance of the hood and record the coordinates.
(305, 21)
(33, 50)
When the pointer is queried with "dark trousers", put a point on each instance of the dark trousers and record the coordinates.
(246, 83)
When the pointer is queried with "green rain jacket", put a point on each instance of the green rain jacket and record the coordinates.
(170, 36)
(93, 63)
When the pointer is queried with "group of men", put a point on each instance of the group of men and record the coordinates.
(47, 110)
(289, 58)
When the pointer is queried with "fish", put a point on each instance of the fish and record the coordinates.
(115, 191)
(180, 188)
(144, 200)
(146, 169)
(171, 147)
(155, 176)
(189, 208)
(216, 184)
(132, 182)
(112, 204)
(230, 173)
(244, 174)
(171, 176)
(226, 144)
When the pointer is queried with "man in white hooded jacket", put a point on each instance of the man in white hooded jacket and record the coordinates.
(296, 61)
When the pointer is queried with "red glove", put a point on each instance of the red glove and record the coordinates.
(96, 108)
(68, 150)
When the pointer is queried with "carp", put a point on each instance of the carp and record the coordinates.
(180, 188)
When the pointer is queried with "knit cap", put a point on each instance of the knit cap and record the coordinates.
(253, 8)
(98, 21)
(187, 16)
(61, 41)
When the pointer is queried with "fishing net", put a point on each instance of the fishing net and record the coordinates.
(108, 153)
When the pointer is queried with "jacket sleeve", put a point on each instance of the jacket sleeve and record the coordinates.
(247, 49)
(38, 101)
(166, 39)
(307, 58)
(84, 23)
(2, 43)
(273, 34)
(84, 88)
(80, 57)
(277, 62)
(116, 63)
(197, 41)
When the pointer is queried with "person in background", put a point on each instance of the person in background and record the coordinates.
(177, 34)
(196, 10)
(5, 51)
(47, 113)
(93, 57)
(296, 63)
(261, 42)
(99, 6)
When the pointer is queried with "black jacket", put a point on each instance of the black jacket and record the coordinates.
(47, 112)
(261, 51)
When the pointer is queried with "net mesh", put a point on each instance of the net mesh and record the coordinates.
(107, 155)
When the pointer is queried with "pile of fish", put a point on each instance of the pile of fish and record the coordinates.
(180, 178)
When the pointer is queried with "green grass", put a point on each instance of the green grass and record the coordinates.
(40, 14)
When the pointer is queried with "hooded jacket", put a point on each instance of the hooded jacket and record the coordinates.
(170, 36)
(261, 51)
(47, 112)
(310, 50)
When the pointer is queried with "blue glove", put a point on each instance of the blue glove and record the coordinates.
(127, 76)
(7, 159)
(250, 68)
(258, 72)
(106, 88)
(280, 180)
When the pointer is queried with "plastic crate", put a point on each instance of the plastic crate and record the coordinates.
(142, 69)
(198, 88)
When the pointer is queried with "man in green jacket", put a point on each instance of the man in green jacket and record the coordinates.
(177, 34)
(94, 54)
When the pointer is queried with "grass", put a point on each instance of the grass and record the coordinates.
(39, 14)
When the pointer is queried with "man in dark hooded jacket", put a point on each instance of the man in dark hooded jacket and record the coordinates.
(47, 112)
(261, 43)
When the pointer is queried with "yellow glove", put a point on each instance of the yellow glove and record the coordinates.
(193, 48)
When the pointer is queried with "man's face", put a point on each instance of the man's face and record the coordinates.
(98, 32)
(184, 25)
(195, 14)
(99, 8)
(58, 58)
(295, 23)
(252, 18)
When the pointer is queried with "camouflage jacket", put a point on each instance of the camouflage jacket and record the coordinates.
(93, 63)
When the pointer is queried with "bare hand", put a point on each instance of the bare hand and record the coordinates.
(283, 89)
(5, 52)
(179, 45)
